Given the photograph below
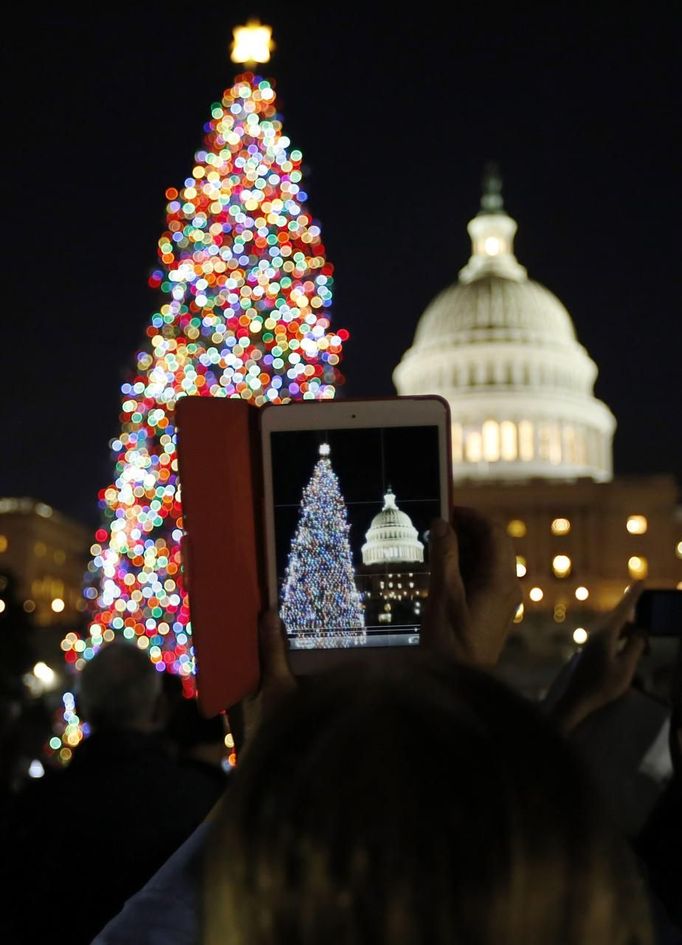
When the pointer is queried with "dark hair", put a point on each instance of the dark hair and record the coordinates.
(427, 804)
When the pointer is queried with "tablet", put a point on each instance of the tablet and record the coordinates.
(349, 491)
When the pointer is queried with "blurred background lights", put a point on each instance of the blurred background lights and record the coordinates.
(516, 528)
(35, 769)
(561, 566)
(678, 549)
(582, 593)
(518, 616)
(638, 567)
(536, 594)
(560, 526)
(520, 566)
(2, 606)
(44, 673)
(57, 605)
(580, 635)
(637, 524)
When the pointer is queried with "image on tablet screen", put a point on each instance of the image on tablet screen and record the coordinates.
(352, 510)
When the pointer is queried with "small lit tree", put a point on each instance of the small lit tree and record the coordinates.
(321, 605)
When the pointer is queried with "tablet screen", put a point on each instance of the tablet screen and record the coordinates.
(352, 508)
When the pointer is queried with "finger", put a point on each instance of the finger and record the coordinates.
(474, 540)
(622, 614)
(447, 601)
(487, 552)
(630, 656)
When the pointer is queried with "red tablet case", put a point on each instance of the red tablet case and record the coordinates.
(219, 470)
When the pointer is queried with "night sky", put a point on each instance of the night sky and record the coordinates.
(396, 115)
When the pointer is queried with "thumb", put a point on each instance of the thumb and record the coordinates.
(447, 600)
(622, 613)
(630, 655)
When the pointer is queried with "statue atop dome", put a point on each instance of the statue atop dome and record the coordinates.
(491, 198)
(492, 233)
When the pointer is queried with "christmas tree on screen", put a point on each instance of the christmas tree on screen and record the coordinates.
(320, 603)
(246, 291)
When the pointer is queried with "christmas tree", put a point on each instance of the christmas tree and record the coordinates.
(320, 603)
(245, 313)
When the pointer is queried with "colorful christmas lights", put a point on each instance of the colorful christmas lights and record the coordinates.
(321, 606)
(246, 314)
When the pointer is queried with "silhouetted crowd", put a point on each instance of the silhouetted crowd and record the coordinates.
(416, 799)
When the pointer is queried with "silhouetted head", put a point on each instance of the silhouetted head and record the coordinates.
(427, 804)
(119, 689)
(189, 729)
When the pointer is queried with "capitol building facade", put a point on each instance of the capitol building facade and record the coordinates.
(532, 445)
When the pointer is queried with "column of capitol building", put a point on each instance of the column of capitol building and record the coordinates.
(532, 446)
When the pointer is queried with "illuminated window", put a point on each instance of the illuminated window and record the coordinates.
(638, 567)
(570, 449)
(549, 437)
(517, 529)
(559, 613)
(526, 447)
(508, 440)
(536, 594)
(518, 616)
(580, 447)
(581, 593)
(637, 524)
(3, 543)
(492, 246)
(457, 442)
(40, 549)
(561, 565)
(560, 526)
(474, 447)
(491, 441)
(580, 635)
(520, 566)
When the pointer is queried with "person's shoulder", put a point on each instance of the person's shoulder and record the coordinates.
(166, 910)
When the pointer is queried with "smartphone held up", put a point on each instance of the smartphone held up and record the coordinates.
(659, 612)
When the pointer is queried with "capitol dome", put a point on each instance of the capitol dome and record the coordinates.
(502, 350)
(392, 538)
